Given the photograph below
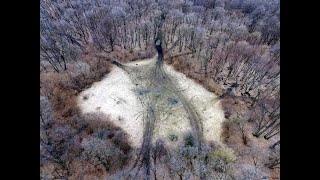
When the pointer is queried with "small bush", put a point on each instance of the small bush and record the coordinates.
(213, 87)
(173, 137)
(226, 133)
(225, 154)
(189, 140)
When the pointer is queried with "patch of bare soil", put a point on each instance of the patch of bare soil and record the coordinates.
(119, 97)
(152, 102)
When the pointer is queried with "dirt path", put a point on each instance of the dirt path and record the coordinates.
(153, 88)
(155, 104)
(152, 102)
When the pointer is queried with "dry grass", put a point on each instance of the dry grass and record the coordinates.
(256, 150)
(114, 98)
(61, 90)
(206, 103)
(233, 107)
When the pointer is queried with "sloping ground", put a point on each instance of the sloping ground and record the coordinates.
(155, 104)
(113, 97)
(205, 102)
(119, 95)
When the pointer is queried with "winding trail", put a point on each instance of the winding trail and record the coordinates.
(153, 87)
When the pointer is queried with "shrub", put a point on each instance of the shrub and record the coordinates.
(247, 171)
(213, 87)
(100, 126)
(102, 152)
(173, 137)
(189, 140)
(226, 131)
(225, 154)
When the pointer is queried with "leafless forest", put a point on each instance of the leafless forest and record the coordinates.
(230, 47)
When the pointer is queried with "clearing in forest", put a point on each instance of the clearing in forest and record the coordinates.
(152, 102)
(123, 96)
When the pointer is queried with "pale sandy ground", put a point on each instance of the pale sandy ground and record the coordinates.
(114, 96)
(205, 102)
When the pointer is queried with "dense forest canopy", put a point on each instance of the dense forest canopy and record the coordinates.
(68, 27)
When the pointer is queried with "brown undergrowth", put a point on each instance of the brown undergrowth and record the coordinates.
(92, 146)
(238, 127)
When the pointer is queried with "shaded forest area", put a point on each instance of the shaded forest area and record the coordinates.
(231, 47)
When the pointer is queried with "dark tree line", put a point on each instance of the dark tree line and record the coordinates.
(68, 27)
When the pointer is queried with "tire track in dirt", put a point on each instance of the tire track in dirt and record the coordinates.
(153, 83)
(158, 83)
